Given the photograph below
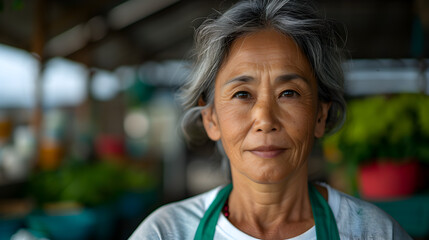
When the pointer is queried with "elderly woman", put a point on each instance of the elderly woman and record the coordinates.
(267, 82)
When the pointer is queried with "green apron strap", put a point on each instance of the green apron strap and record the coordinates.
(326, 226)
(207, 227)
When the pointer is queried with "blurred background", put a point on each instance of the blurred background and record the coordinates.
(90, 141)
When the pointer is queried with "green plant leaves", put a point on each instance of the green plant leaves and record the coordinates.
(17, 4)
(88, 184)
(394, 127)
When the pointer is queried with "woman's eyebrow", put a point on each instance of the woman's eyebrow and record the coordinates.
(279, 79)
(289, 77)
(242, 78)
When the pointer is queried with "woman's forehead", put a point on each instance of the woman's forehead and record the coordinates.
(265, 47)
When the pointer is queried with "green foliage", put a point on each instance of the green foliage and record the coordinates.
(135, 180)
(17, 5)
(380, 127)
(88, 184)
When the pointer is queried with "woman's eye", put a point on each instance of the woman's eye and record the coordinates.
(242, 95)
(289, 93)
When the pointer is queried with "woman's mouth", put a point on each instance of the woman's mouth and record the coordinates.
(267, 151)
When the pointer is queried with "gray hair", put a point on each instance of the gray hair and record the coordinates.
(317, 37)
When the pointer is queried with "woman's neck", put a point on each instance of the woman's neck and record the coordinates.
(271, 211)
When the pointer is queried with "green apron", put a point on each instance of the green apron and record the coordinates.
(326, 227)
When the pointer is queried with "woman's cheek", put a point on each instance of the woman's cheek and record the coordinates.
(299, 121)
(234, 119)
(232, 110)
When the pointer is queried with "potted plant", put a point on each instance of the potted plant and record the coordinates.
(88, 198)
(385, 138)
(73, 196)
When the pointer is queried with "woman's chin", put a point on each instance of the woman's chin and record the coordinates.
(269, 170)
(269, 176)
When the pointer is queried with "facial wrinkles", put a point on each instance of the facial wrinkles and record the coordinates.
(282, 112)
(295, 118)
(271, 110)
(305, 129)
(265, 109)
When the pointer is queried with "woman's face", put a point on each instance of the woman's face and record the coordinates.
(266, 110)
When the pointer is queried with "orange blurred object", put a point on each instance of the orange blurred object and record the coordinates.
(51, 155)
(5, 129)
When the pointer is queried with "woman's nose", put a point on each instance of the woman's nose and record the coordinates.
(265, 117)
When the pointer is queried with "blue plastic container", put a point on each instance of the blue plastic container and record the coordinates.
(9, 226)
(65, 225)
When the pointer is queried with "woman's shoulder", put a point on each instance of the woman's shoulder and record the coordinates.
(359, 219)
(175, 219)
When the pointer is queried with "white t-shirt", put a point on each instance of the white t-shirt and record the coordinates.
(356, 219)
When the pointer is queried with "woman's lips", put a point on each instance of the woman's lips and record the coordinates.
(267, 151)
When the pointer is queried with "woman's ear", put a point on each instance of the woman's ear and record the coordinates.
(210, 123)
(322, 116)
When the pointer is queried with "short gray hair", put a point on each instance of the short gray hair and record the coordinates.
(318, 38)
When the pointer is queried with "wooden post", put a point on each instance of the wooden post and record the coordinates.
(37, 48)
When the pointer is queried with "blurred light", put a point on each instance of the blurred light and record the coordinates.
(426, 76)
(77, 37)
(69, 41)
(169, 73)
(55, 124)
(136, 124)
(105, 85)
(97, 28)
(382, 76)
(126, 75)
(379, 82)
(23, 138)
(64, 83)
(133, 10)
(18, 72)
